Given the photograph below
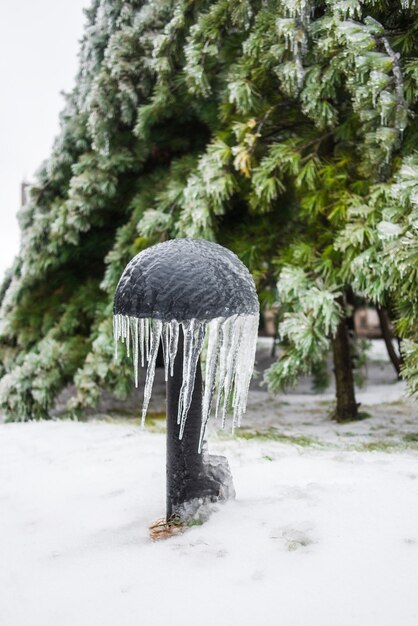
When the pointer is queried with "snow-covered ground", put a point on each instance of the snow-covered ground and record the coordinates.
(323, 532)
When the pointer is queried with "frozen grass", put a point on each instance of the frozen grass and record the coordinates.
(323, 531)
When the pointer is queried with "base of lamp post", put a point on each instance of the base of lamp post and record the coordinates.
(193, 479)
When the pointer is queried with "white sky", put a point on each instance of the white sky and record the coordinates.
(38, 59)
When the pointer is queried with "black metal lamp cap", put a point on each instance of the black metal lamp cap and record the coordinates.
(185, 279)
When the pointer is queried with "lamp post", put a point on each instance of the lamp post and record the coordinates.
(177, 293)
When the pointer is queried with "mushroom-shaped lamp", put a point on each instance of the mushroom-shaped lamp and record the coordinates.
(177, 293)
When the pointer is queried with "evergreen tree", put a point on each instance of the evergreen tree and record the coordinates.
(284, 129)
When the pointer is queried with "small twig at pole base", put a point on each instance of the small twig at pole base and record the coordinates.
(164, 528)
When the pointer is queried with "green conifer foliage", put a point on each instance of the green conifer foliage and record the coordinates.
(284, 129)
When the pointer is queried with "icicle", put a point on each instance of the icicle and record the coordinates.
(235, 339)
(167, 353)
(174, 342)
(156, 332)
(128, 328)
(147, 339)
(230, 355)
(214, 343)
(122, 326)
(116, 334)
(142, 336)
(136, 350)
(166, 348)
(124, 321)
(223, 355)
(243, 373)
(194, 334)
(151, 338)
(164, 343)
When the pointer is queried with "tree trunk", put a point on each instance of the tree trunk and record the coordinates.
(388, 336)
(193, 478)
(347, 407)
(351, 301)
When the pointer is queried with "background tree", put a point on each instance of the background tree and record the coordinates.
(283, 129)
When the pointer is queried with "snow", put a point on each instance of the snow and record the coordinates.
(323, 530)
(318, 535)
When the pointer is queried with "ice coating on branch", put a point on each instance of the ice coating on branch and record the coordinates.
(230, 356)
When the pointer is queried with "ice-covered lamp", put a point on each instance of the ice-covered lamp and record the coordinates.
(177, 293)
